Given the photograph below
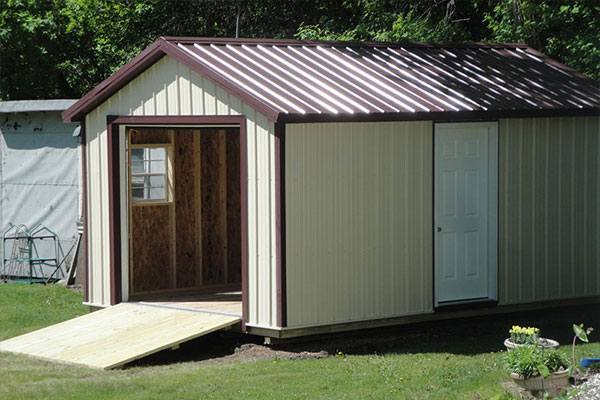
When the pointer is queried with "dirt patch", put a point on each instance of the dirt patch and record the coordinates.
(252, 352)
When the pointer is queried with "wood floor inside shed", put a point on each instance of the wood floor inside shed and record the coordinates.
(226, 303)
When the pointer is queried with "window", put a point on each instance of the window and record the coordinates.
(149, 178)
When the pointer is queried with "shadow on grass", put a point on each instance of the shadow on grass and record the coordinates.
(467, 336)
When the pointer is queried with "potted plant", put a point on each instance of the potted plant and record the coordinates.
(581, 333)
(520, 336)
(538, 370)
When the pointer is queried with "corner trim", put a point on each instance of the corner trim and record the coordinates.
(84, 211)
(114, 209)
(280, 224)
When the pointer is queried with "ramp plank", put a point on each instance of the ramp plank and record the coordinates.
(117, 335)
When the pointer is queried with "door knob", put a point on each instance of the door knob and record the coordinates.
(439, 229)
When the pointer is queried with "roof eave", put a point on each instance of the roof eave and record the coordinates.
(113, 83)
(440, 116)
(143, 61)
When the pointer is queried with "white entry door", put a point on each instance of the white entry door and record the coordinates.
(465, 211)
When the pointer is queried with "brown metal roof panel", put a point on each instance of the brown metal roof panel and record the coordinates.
(553, 77)
(449, 77)
(505, 95)
(249, 56)
(496, 69)
(420, 83)
(428, 77)
(227, 71)
(343, 85)
(381, 87)
(352, 81)
(398, 80)
(314, 77)
(312, 87)
(258, 79)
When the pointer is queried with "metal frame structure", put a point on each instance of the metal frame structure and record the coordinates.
(24, 263)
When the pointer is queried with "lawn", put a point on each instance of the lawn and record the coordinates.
(450, 364)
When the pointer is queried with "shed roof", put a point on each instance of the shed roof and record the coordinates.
(15, 106)
(294, 80)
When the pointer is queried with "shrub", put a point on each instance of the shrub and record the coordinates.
(530, 360)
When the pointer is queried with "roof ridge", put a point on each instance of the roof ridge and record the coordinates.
(349, 43)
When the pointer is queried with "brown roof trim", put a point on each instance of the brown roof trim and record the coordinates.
(353, 43)
(175, 120)
(143, 61)
(439, 116)
(113, 83)
(186, 59)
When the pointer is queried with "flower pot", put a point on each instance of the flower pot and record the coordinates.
(554, 384)
(542, 342)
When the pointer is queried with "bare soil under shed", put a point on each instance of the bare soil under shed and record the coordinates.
(459, 336)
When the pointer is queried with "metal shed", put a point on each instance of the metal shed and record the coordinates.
(40, 175)
(343, 185)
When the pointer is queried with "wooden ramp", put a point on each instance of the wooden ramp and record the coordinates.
(117, 335)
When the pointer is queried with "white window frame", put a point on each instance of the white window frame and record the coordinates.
(168, 174)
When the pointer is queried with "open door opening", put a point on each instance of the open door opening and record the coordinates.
(184, 211)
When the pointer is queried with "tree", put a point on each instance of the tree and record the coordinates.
(64, 48)
(566, 30)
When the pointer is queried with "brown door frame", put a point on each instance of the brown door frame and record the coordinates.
(113, 123)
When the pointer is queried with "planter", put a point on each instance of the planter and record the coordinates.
(554, 384)
(542, 342)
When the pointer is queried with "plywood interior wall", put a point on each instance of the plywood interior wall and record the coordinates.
(151, 241)
(234, 211)
(214, 207)
(187, 260)
(195, 240)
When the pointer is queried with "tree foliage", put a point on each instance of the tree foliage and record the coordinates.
(63, 48)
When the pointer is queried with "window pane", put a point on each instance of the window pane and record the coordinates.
(157, 181)
(137, 193)
(157, 154)
(137, 181)
(137, 154)
(157, 167)
(137, 166)
(157, 194)
(148, 173)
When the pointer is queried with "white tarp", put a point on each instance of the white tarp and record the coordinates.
(39, 176)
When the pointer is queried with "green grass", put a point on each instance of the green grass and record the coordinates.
(24, 308)
(452, 368)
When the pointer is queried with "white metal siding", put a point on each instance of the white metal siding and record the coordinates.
(358, 221)
(549, 209)
(170, 88)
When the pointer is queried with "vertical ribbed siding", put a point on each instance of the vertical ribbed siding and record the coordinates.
(549, 208)
(170, 88)
(358, 221)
